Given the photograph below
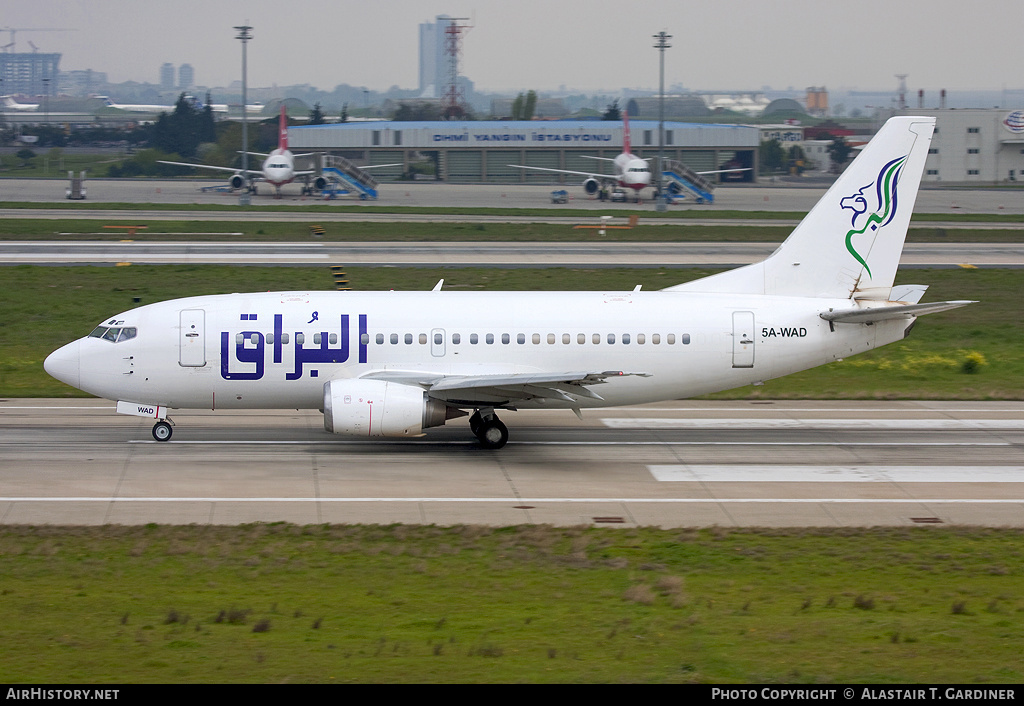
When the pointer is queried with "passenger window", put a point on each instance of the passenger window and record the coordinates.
(611, 338)
(490, 338)
(581, 338)
(640, 339)
(505, 338)
(394, 339)
(655, 338)
(380, 338)
(566, 338)
(536, 338)
(597, 338)
(456, 338)
(333, 339)
(423, 339)
(438, 338)
(316, 339)
(238, 339)
(551, 338)
(670, 339)
(284, 338)
(521, 338)
(408, 339)
(685, 338)
(474, 339)
(364, 338)
(270, 339)
(300, 338)
(625, 338)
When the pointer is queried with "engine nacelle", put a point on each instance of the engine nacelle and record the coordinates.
(320, 183)
(237, 181)
(381, 408)
(591, 185)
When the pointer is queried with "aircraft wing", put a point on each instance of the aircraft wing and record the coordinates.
(565, 171)
(202, 166)
(884, 313)
(503, 387)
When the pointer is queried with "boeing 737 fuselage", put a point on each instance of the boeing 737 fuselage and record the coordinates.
(391, 364)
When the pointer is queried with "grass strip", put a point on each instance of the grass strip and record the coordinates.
(271, 603)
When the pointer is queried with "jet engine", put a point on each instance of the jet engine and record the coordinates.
(320, 183)
(237, 182)
(381, 408)
(591, 185)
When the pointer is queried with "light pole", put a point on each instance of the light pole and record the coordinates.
(661, 44)
(244, 199)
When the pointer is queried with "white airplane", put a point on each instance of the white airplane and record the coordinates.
(278, 167)
(137, 107)
(631, 172)
(391, 364)
(11, 104)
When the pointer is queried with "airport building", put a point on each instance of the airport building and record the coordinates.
(468, 152)
(980, 146)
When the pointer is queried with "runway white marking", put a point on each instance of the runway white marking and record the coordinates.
(468, 442)
(522, 501)
(747, 473)
(798, 423)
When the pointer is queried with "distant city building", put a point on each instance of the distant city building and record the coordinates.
(974, 145)
(817, 101)
(433, 67)
(29, 74)
(186, 76)
(167, 76)
(81, 83)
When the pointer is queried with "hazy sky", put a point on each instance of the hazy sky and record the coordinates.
(516, 45)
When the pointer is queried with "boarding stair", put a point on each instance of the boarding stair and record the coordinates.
(345, 177)
(679, 177)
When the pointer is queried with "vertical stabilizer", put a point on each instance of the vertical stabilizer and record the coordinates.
(282, 131)
(849, 245)
(626, 146)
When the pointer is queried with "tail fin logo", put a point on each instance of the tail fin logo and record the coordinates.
(885, 211)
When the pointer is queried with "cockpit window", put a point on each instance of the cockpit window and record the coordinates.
(114, 334)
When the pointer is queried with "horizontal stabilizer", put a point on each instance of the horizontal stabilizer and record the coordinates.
(884, 313)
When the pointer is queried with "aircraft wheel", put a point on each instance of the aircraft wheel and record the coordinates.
(474, 423)
(162, 431)
(493, 434)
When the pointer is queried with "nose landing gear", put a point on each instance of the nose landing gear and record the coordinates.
(162, 430)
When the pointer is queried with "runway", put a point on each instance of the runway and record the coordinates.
(468, 254)
(674, 464)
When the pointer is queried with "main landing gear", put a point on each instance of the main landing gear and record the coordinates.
(486, 426)
(162, 430)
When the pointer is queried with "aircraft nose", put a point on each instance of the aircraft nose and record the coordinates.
(64, 364)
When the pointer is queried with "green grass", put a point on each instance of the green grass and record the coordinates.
(41, 308)
(533, 604)
(45, 165)
(701, 212)
(363, 231)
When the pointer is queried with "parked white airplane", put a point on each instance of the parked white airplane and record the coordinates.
(278, 167)
(137, 107)
(11, 104)
(631, 172)
(391, 364)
